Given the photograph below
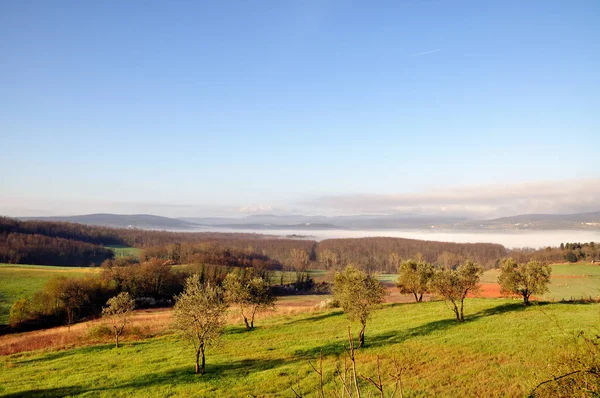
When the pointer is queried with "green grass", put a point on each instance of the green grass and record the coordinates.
(569, 281)
(585, 284)
(125, 251)
(18, 281)
(503, 349)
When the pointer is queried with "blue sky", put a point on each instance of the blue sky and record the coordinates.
(223, 108)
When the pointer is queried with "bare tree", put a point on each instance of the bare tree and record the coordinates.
(118, 309)
(359, 294)
(300, 259)
(199, 315)
(454, 285)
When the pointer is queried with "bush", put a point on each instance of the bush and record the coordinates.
(571, 257)
(100, 331)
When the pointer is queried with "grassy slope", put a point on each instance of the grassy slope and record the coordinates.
(124, 251)
(502, 349)
(17, 281)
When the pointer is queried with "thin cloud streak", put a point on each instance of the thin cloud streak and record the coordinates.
(437, 50)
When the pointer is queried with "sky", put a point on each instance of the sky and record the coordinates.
(229, 108)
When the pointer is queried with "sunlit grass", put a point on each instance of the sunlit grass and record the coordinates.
(502, 349)
(18, 281)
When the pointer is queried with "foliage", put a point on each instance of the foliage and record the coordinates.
(454, 285)
(152, 279)
(118, 309)
(249, 294)
(359, 294)
(414, 277)
(375, 254)
(526, 279)
(20, 311)
(17, 248)
(199, 315)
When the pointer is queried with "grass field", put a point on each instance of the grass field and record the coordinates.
(18, 281)
(125, 251)
(568, 282)
(503, 349)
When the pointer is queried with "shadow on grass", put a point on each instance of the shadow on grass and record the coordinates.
(67, 353)
(47, 393)
(395, 337)
(185, 374)
(316, 318)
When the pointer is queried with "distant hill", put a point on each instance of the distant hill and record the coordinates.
(539, 221)
(142, 221)
(377, 222)
(357, 222)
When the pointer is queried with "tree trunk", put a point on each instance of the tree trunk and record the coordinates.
(116, 339)
(198, 361)
(252, 319)
(462, 315)
(361, 336)
(456, 312)
(203, 369)
(420, 298)
(526, 299)
(416, 297)
(246, 322)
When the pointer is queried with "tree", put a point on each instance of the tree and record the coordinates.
(199, 315)
(414, 277)
(524, 279)
(328, 259)
(118, 309)
(300, 259)
(571, 257)
(19, 311)
(72, 293)
(454, 285)
(249, 296)
(358, 294)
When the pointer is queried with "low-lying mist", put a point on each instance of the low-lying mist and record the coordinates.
(509, 239)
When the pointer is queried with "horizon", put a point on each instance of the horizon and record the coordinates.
(214, 110)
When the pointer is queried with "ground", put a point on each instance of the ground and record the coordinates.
(18, 281)
(503, 349)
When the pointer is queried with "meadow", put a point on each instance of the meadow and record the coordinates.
(503, 349)
(125, 251)
(17, 280)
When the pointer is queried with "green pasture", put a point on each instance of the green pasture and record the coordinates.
(503, 349)
(18, 281)
(125, 251)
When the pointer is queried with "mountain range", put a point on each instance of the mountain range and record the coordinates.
(359, 222)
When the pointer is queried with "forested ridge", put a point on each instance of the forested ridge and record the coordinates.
(64, 243)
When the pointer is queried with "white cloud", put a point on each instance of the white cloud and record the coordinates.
(486, 201)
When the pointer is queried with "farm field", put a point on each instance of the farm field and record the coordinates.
(503, 348)
(568, 282)
(18, 281)
(124, 251)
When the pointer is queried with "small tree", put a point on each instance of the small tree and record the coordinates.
(73, 295)
(358, 294)
(20, 311)
(454, 285)
(414, 278)
(524, 279)
(249, 296)
(300, 259)
(118, 309)
(199, 315)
